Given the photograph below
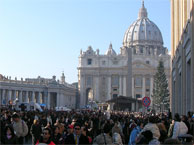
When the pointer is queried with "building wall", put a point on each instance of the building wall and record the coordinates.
(182, 56)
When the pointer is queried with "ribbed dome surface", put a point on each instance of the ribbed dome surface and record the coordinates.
(143, 30)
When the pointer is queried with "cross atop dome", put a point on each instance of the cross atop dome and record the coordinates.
(142, 3)
(143, 11)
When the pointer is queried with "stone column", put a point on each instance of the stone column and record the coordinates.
(151, 89)
(33, 96)
(124, 86)
(109, 88)
(38, 98)
(97, 89)
(20, 96)
(58, 100)
(9, 95)
(27, 97)
(133, 106)
(82, 91)
(3, 96)
(143, 88)
(48, 100)
(133, 95)
(120, 85)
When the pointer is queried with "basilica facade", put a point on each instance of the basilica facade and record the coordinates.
(50, 92)
(130, 73)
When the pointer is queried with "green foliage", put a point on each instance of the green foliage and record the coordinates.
(161, 94)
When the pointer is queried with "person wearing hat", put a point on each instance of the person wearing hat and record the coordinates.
(20, 127)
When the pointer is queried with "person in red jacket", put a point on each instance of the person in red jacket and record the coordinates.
(46, 138)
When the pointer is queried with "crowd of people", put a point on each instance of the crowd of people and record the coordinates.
(94, 127)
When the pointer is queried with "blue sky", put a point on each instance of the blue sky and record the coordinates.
(44, 37)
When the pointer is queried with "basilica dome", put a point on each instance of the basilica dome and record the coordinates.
(110, 51)
(143, 31)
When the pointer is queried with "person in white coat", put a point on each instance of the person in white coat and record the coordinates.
(152, 127)
(180, 127)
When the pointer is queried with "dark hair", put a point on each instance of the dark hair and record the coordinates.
(177, 117)
(11, 129)
(152, 119)
(77, 124)
(139, 123)
(107, 128)
(15, 115)
(48, 130)
(148, 135)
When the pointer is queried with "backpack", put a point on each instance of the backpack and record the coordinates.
(24, 129)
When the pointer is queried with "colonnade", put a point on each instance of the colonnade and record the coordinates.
(7, 95)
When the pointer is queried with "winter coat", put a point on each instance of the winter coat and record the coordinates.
(153, 128)
(70, 139)
(133, 135)
(83, 139)
(102, 139)
(49, 142)
(180, 128)
(20, 128)
(55, 139)
(12, 140)
(117, 139)
(35, 131)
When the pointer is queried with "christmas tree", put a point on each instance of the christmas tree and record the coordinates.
(160, 95)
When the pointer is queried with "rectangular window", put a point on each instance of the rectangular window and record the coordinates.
(115, 95)
(138, 81)
(147, 81)
(89, 61)
(138, 96)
